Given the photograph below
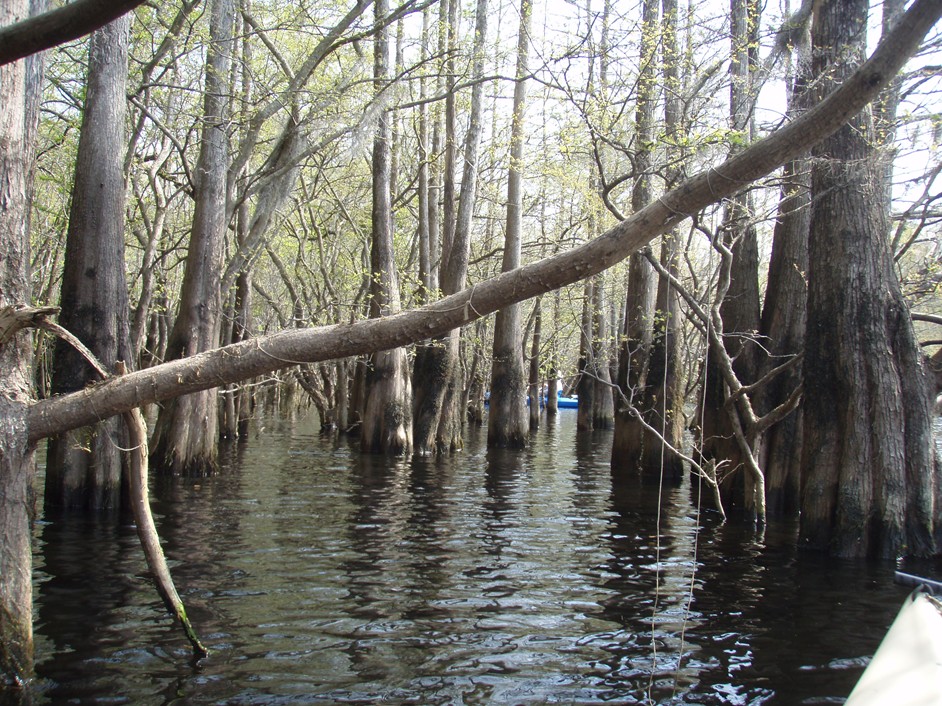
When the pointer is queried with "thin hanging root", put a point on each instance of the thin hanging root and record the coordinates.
(147, 531)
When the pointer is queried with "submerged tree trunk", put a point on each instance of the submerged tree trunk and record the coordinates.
(665, 401)
(84, 467)
(603, 405)
(429, 372)
(632, 447)
(507, 424)
(740, 305)
(586, 387)
(871, 479)
(19, 96)
(438, 417)
(536, 395)
(387, 416)
(784, 312)
(187, 430)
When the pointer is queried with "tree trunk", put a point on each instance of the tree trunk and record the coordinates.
(536, 396)
(586, 387)
(664, 402)
(507, 424)
(19, 96)
(740, 306)
(428, 210)
(84, 467)
(871, 478)
(438, 419)
(603, 404)
(187, 430)
(632, 446)
(553, 385)
(387, 416)
(784, 312)
(429, 377)
(236, 402)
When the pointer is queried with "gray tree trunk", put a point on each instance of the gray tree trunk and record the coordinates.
(740, 307)
(507, 424)
(586, 387)
(536, 396)
(784, 312)
(387, 416)
(84, 467)
(438, 419)
(187, 430)
(870, 485)
(19, 96)
(664, 393)
(632, 446)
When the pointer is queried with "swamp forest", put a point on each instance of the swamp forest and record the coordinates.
(574, 324)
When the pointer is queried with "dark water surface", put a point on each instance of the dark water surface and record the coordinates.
(316, 575)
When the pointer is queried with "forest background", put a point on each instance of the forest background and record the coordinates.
(209, 173)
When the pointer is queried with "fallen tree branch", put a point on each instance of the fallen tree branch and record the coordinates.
(146, 530)
(63, 24)
(263, 355)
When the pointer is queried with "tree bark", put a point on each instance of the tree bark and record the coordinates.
(784, 310)
(438, 420)
(84, 467)
(666, 401)
(632, 447)
(603, 404)
(586, 386)
(507, 424)
(187, 429)
(387, 416)
(19, 96)
(871, 479)
(536, 394)
(739, 307)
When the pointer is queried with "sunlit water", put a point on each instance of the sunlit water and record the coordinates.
(317, 575)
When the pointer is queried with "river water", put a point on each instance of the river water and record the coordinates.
(317, 575)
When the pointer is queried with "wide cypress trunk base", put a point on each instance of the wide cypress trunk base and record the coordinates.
(186, 435)
(450, 435)
(635, 450)
(430, 378)
(387, 419)
(508, 425)
(783, 467)
(870, 475)
(84, 469)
